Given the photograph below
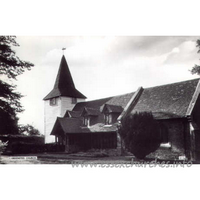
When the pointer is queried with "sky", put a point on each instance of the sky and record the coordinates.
(101, 66)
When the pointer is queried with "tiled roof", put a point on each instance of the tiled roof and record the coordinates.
(90, 111)
(64, 85)
(91, 104)
(167, 101)
(73, 114)
(112, 108)
(74, 125)
(70, 125)
(120, 100)
(69, 92)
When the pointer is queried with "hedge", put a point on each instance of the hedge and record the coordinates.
(25, 148)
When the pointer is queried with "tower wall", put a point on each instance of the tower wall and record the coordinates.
(66, 104)
(51, 113)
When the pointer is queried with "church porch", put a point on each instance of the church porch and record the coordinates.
(75, 142)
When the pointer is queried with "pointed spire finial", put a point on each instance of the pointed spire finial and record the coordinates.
(63, 50)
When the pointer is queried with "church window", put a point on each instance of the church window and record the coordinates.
(53, 102)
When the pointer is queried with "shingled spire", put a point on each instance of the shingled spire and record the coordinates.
(64, 85)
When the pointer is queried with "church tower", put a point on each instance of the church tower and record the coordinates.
(63, 97)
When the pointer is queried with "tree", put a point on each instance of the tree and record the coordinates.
(10, 66)
(9, 106)
(2, 147)
(28, 130)
(140, 133)
(196, 68)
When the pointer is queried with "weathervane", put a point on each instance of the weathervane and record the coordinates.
(63, 50)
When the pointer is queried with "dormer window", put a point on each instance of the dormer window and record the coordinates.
(53, 102)
(108, 119)
(90, 115)
(111, 113)
(74, 100)
(86, 121)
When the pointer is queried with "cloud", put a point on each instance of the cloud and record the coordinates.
(175, 50)
(185, 53)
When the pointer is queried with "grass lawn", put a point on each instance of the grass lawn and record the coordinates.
(81, 158)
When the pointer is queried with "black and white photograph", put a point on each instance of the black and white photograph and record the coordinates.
(79, 100)
(99, 99)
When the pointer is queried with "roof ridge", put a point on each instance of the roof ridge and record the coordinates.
(172, 83)
(113, 105)
(106, 98)
(135, 91)
(90, 108)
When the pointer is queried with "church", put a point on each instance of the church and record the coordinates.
(78, 125)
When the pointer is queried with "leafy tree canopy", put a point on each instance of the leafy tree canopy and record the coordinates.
(10, 66)
(196, 68)
(28, 130)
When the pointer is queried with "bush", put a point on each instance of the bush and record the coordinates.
(140, 133)
(27, 148)
(3, 146)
